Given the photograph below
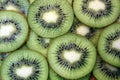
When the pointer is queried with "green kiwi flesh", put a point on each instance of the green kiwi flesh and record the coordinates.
(13, 30)
(97, 13)
(108, 44)
(81, 29)
(16, 5)
(54, 76)
(38, 43)
(50, 18)
(24, 65)
(105, 71)
(71, 56)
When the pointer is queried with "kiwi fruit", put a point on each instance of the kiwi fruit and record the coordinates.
(16, 5)
(24, 65)
(81, 29)
(50, 18)
(97, 13)
(109, 44)
(38, 43)
(54, 76)
(105, 71)
(13, 30)
(71, 56)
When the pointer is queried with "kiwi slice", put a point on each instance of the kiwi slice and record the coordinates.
(24, 65)
(16, 5)
(54, 76)
(109, 44)
(105, 71)
(97, 13)
(2, 57)
(71, 56)
(13, 30)
(81, 29)
(38, 43)
(50, 18)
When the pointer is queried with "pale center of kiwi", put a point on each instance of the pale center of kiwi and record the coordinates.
(24, 71)
(116, 44)
(7, 30)
(96, 5)
(50, 16)
(82, 30)
(47, 40)
(72, 56)
(112, 68)
(11, 7)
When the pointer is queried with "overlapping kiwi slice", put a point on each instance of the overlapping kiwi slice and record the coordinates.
(109, 44)
(13, 30)
(97, 13)
(16, 5)
(24, 65)
(71, 56)
(54, 76)
(105, 71)
(81, 29)
(50, 18)
(38, 43)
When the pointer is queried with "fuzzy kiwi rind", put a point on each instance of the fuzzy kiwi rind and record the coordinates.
(78, 68)
(38, 43)
(17, 5)
(105, 71)
(100, 18)
(50, 29)
(17, 37)
(27, 58)
(108, 44)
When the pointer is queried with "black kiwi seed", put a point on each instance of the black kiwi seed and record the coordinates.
(97, 13)
(24, 65)
(50, 18)
(71, 56)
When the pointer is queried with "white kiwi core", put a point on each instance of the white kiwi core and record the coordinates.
(112, 68)
(116, 44)
(12, 7)
(7, 30)
(72, 56)
(96, 5)
(82, 30)
(50, 16)
(47, 40)
(24, 71)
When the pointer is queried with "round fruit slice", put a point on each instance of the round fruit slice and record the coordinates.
(97, 13)
(109, 44)
(71, 56)
(16, 5)
(105, 71)
(13, 30)
(24, 65)
(50, 18)
(38, 43)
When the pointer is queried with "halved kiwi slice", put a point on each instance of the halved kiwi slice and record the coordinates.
(71, 56)
(105, 71)
(109, 44)
(50, 18)
(81, 29)
(13, 30)
(16, 5)
(97, 13)
(24, 65)
(38, 43)
(54, 76)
